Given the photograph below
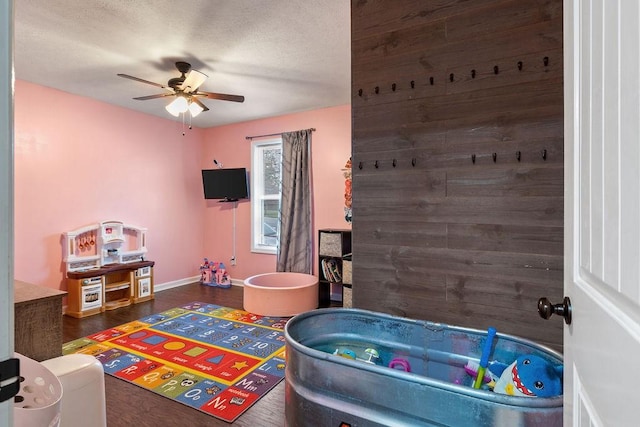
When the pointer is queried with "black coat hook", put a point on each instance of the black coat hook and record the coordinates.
(393, 87)
(473, 74)
(360, 165)
(376, 164)
(496, 70)
(413, 161)
(451, 77)
(393, 163)
(520, 65)
(545, 60)
(495, 157)
(544, 154)
(473, 159)
(431, 80)
(377, 90)
(359, 92)
(413, 84)
(518, 155)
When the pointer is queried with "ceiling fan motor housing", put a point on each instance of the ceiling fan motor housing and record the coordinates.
(175, 82)
(184, 68)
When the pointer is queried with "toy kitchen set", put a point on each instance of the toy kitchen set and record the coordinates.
(106, 268)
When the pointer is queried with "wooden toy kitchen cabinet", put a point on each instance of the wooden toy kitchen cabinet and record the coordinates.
(106, 268)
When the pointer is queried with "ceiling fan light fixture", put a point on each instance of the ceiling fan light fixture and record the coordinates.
(177, 106)
(195, 109)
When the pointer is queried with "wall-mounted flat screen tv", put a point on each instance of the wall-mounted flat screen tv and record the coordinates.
(225, 184)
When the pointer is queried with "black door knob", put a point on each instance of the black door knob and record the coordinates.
(546, 309)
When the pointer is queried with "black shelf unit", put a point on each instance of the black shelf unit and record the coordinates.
(333, 244)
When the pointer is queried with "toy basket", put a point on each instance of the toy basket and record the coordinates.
(38, 401)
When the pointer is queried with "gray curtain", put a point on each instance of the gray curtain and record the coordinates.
(294, 251)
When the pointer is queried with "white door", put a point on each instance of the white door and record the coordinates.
(6, 194)
(602, 212)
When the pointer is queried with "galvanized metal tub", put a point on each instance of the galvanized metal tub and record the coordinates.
(323, 389)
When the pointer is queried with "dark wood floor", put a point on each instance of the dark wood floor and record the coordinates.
(129, 405)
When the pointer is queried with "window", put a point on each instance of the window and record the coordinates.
(266, 159)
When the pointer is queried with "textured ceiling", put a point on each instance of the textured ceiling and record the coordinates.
(283, 56)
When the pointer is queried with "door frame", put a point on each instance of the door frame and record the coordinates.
(6, 195)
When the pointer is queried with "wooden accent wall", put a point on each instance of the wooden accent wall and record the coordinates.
(458, 161)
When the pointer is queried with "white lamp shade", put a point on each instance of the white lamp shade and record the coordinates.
(171, 111)
(195, 109)
(177, 106)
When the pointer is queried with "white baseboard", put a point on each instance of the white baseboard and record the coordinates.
(187, 281)
(174, 284)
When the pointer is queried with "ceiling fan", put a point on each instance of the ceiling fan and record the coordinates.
(185, 89)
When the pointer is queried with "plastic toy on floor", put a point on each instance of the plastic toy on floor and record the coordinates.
(214, 274)
(222, 278)
(205, 272)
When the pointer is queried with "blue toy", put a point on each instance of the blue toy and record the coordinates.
(529, 375)
(484, 359)
(346, 353)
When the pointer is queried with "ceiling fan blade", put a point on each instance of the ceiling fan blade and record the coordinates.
(197, 101)
(221, 96)
(193, 81)
(162, 95)
(126, 76)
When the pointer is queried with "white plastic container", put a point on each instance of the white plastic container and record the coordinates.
(82, 378)
(38, 401)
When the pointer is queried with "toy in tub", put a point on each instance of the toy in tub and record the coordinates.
(363, 368)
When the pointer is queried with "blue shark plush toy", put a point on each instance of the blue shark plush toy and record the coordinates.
(530, 376)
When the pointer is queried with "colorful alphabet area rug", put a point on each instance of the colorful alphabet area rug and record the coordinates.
(218, 360)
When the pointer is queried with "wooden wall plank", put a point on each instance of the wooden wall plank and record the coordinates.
(538, 211)
(367, 16)
(506, 16)
(506, 181)
(403, 186)
(506, 238)
(378, 60)
(476, 16)
(537, 268)
(448, 111)
(543, 153)
(406, 233)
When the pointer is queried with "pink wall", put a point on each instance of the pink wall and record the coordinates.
(79, 161)
(330, 150)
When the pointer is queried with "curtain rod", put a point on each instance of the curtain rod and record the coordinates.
(273, 134)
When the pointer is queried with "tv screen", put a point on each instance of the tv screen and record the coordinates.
(226, 184)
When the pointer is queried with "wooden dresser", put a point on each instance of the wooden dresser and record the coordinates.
(38, 321)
